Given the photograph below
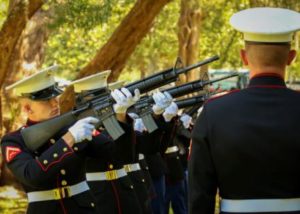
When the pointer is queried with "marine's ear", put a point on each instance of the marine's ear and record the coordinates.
(291, 56)
(243, 56)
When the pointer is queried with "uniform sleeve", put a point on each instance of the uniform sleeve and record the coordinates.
(125, 144)
(202, 176)
(158, 140)
(33, 170)
(148, 143)
(102, 145)
(168, 135)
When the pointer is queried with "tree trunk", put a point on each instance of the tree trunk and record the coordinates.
(12, 29)
(19, 13)
(26, 57)
(23, 47)
(188, 36)
(114, 54)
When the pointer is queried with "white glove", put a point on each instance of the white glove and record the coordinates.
(124, 99)
(186, 120)
(162, 101)
(139, 125)
(83, 129)
(170, 112)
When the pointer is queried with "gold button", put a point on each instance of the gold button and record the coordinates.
(55, 155)
(111, 166)
(76, 148)
(52, 141)
(65, 149)
(92, 204)
(147, 167)
(177, 157)
(45, 162)
(131, 186)
(143, 180)
(64, 183)
(62, 171)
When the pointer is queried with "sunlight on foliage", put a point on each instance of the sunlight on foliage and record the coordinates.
(3, 11)
(81, 27)
(12, 201)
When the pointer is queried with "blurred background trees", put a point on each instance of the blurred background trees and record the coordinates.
(134, 38)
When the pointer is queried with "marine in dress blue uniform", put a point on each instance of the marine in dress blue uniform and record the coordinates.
(53, 176)
(113, 189)
(246, 143)
(176, 158)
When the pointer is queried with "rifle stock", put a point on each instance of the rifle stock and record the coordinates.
(34, 135)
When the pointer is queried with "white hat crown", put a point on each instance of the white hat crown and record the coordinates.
(266, 24)
(91, 82)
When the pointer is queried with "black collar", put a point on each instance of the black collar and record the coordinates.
(30, 122)
(267, 80)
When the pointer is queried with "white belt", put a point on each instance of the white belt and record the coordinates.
(141, 156)
(106, 176)
(171, 149)
(260, 205)
(58, 193)
(132, 167)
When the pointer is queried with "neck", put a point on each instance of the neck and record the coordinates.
(267, 70)
(33, 119)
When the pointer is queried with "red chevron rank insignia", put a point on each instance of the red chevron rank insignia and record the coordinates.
(11, 153)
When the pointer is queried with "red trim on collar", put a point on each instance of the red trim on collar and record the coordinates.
(267, 75)
(266, 86)
(31, 122)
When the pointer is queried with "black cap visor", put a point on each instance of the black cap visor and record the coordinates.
(44, 94)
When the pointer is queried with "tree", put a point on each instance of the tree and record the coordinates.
(117, 50)
(188, 36)
(114, 54)
(11, 41)
(12, 29)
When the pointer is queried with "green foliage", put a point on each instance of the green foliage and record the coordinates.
(74, 41)
(217, 36)
(81, 27)
(83, 14)
(159, 49)
(3, 11)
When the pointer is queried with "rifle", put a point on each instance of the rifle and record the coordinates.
(193, 109)
(100, 106)
(192, 101)
(143, 106)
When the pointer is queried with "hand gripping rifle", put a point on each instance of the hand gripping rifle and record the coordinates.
(100, 106)
(144, 106)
